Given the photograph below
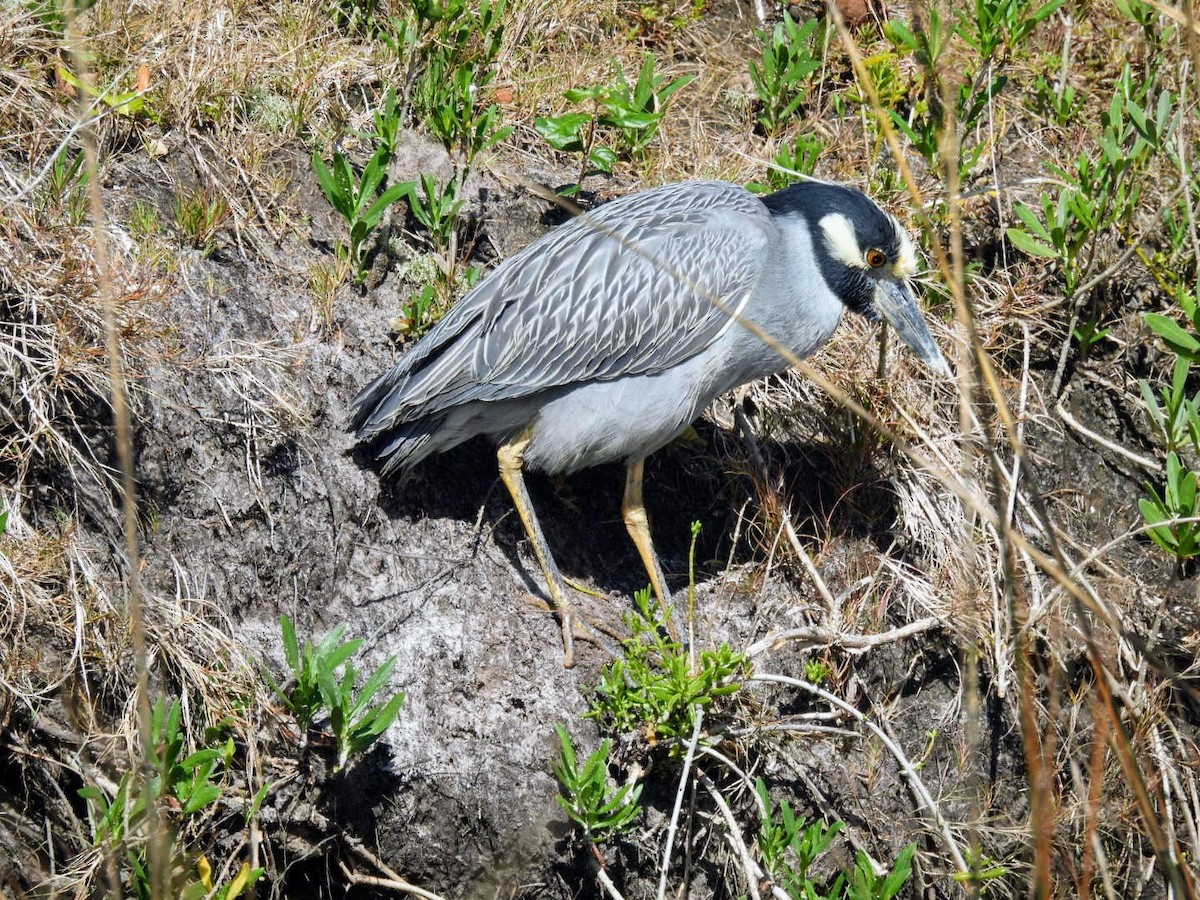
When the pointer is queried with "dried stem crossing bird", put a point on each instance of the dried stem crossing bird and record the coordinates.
(604, 339)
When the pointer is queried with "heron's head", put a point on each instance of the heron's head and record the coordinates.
(865, 256)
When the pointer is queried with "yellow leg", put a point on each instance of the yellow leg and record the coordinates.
(511, 456)
(633, 510)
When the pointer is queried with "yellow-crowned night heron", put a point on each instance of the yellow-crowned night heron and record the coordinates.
(605, 338)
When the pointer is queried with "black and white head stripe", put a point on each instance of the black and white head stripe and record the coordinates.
(847, 246)
(846, 226)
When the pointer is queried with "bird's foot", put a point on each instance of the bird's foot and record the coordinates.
(574, 627)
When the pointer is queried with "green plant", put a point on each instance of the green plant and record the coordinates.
(790, 845)
(1058, 103)
(359, 16)
(440, 276)
(457, 44)
(653, 686)
(188, 780)
(143, 220)
(438, 283)
(358, 200)
(983, 869)
(325, 279)
(121, 823)
(576, 133)
(303, 698)
(1172, 263)
(318, 688)
(631, 113)
(602, 811)
(1088, 334)
(817, 671)
(66, 171)
(128, 104)
(51, 13)
(1183, 344)
(636, 111)
(985, 32)
(436, 208)
(794, 158)
(864, 884)
(1142, 14)
(791, 53)
(654, 20)
(1168, 513)
(387, 120)
(1174, 414)
(1100, 192)
(64, 186)
(997, 27)
(924, 121)
(199, 215)
(354, 723)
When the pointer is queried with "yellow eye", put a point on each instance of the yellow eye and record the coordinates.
(875, 257)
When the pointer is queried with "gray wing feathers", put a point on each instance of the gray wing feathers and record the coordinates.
(628, 289)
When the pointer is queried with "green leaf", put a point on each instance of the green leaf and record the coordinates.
(603, 158)
(330, 694)
(1031, 220)
(291, 649)
(899, 36)
(200, 757)
(630, 118)
(562, 132)
(1046, 9)
(203, 796)
(372, 686)
(901, 869)
(375, 724)
(1170, 331)
(256, 803)
(578, 95)
(663, 94)
(334, 658)
(386, 199)
(1029, 245)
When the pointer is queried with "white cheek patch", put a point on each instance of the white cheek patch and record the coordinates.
(841, 241)
(843, 245)
(905, 265)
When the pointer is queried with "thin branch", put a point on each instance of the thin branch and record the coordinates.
(906, 767)
(698, 712)
(824, 636)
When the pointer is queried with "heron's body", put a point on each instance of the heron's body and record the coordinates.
(604, 339)
(607, 377)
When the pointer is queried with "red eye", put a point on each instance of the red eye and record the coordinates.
(875, 257)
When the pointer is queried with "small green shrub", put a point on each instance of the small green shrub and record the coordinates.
(358, 200)
(452, 47)
(790, 845)
(1177, 501)
(601, 811)
(121, 822)
(653, 687)
(317, 688)
(629, 113)
(199, 215)
(791, 53)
